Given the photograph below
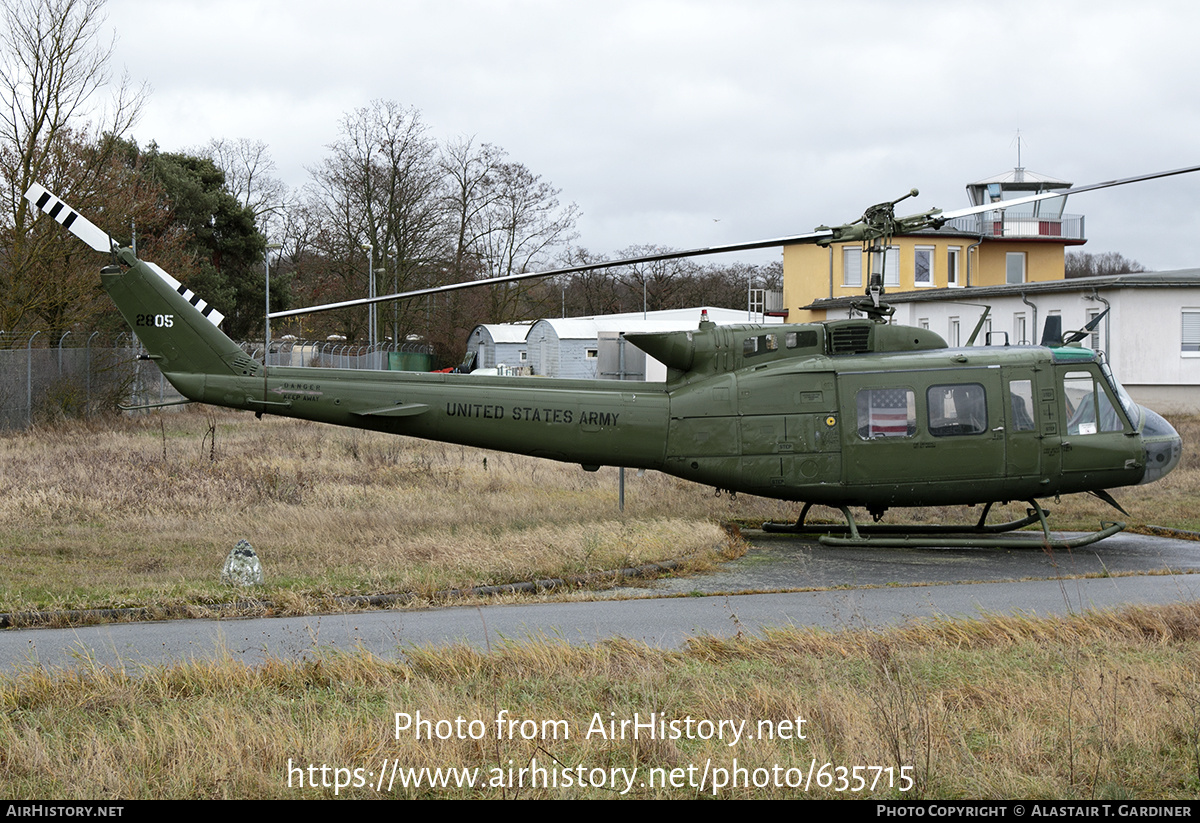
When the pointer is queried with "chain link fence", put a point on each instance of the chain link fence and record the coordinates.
(43, 380)
(406, 356)
(44, 383)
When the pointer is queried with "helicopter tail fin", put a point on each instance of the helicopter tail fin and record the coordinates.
(178, 329)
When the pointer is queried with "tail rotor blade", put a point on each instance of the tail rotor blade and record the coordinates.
(71, 220)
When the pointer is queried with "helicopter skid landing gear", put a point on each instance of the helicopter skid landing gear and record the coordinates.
(915, 536)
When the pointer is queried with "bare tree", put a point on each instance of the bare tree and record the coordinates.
(505, 220)
(379, 188)
(467, 175)
(250, 176)
(659, 284)
(1082, 264)
(590, 293)
(55, 63)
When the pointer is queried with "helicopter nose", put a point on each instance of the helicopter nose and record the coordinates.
(1163, 444)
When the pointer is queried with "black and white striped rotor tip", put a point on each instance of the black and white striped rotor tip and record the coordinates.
(71, 220)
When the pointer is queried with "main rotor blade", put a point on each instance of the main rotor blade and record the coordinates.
(1033, 198)
(811, 237)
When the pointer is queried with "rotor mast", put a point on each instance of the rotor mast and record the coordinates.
(875, 229)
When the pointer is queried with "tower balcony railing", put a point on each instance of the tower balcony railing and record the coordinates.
(997, 224)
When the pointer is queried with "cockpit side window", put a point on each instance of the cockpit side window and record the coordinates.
(1021, 392)
(1132, 410)
(1089, 408)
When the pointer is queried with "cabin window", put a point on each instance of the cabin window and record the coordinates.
(956, 410)
(886, 413)
(1021, 392)
(801, 339)
(1089, 408)
(758, 345)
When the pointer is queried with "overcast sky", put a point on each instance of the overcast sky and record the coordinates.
(698, 123)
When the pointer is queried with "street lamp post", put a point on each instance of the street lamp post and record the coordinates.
(267, 328)
(370, 249)
(395, 306)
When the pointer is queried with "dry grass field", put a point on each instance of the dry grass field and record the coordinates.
(1093, 708)
(141, 512)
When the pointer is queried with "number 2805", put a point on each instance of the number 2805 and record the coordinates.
(158, 321)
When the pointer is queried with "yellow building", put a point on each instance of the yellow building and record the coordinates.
(1024, 244)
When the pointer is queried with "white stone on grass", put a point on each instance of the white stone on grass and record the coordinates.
(242, 567)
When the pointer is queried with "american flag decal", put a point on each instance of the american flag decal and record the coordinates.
(887, 414)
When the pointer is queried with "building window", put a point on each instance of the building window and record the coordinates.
(852, 266)
(592, 354)
(524, 356)
(1191, 333)
(891, 266)
(1020, 329)
(923, 323)
(954, 338)
(1014, 267)
(1094, 337)
(952, 258)
(923, 266)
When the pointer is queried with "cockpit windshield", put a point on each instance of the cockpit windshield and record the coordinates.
(1132, 410)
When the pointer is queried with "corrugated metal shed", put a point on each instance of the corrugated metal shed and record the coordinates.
(499, 343)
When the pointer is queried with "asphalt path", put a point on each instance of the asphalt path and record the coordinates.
(878, 588)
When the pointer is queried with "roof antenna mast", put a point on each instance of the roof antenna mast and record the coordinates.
(1019, 169)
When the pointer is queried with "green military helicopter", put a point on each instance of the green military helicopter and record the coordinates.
(846, 413)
